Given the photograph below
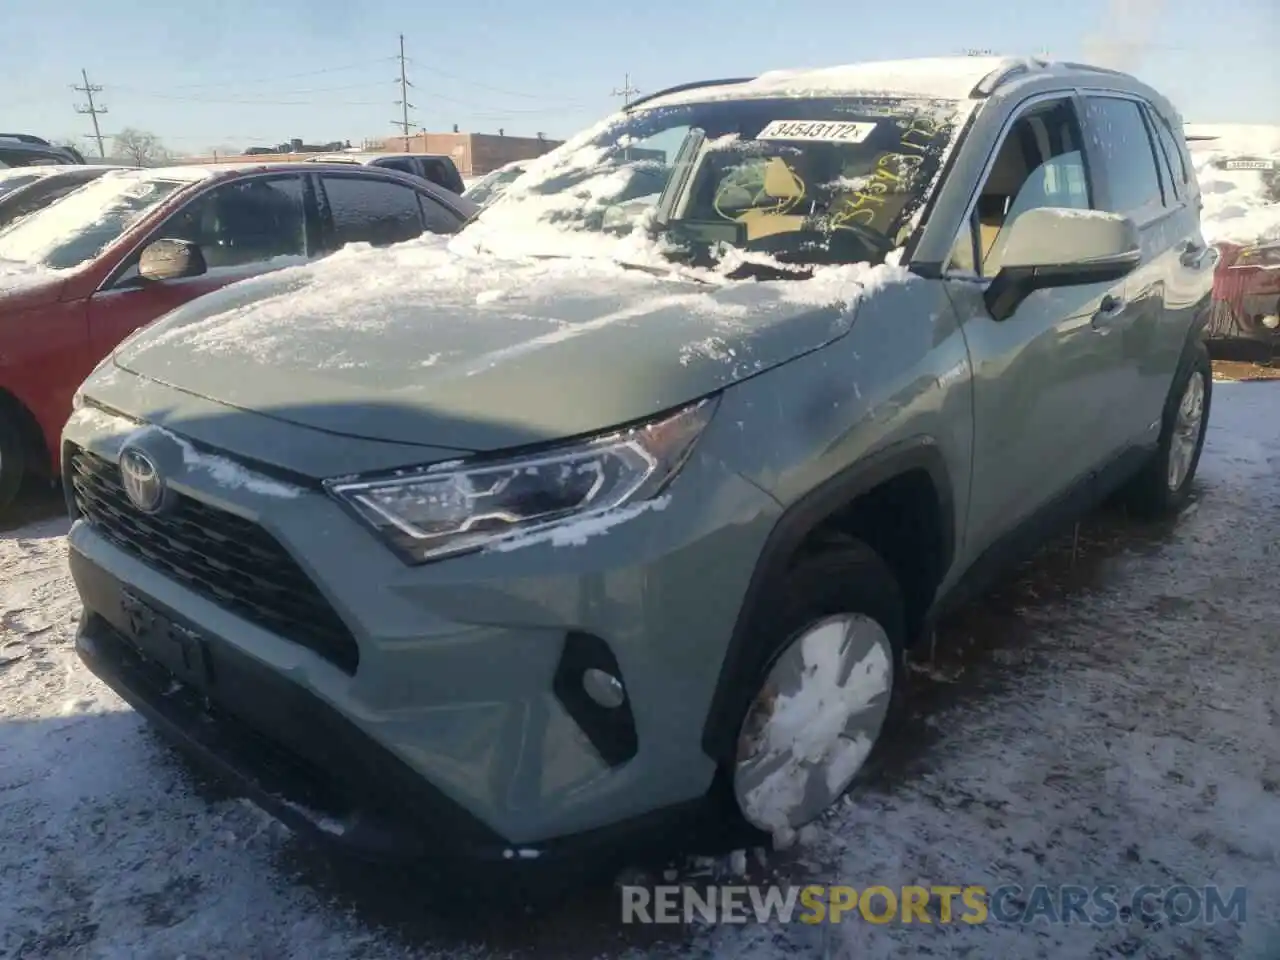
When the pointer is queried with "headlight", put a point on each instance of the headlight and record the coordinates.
(452, 508)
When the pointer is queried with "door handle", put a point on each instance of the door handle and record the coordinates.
(1110, 308)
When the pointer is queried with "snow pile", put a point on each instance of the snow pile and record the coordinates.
(421, 284)
(1236, 208)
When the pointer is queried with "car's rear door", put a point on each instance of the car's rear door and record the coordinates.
(243, 227)
(1144, 339)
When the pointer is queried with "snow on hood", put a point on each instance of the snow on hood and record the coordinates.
(18, 277)
(1236, 205)
(530, 348)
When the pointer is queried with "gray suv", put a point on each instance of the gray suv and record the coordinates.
(616, 514)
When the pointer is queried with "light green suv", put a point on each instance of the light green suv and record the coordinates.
(615, 515)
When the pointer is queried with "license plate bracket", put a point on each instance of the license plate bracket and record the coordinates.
(183, 652)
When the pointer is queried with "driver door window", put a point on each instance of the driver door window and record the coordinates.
(249, 221)
(1039, 164)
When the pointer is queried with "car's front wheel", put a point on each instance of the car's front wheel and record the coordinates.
(1164, 484)
(825, 696)
(13, 460)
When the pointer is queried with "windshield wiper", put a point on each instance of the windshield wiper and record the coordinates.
(671, 271)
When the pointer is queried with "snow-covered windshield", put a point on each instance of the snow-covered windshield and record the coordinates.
(492, 186)
(75, 229)
(804, 180)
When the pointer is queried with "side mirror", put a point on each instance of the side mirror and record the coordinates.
(171, 260)
(1060, 247)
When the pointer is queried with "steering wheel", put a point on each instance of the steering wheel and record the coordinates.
(877, 241)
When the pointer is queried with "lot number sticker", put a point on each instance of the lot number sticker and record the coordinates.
(827, 131)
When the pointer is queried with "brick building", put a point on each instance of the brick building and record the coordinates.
(475, 154)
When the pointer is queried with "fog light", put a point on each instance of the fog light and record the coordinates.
(1271, 322)
(604, 688)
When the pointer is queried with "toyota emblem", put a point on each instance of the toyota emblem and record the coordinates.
(142, 482)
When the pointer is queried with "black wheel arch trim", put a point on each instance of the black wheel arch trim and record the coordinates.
(796, 523)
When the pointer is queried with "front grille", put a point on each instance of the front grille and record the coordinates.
(225, 558)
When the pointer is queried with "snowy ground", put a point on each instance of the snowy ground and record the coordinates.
(1112, 719)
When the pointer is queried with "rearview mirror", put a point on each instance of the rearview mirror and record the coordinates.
(171, 260)
(1061, 247)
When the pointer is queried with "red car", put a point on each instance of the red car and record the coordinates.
(1245, 315)
(81, 275)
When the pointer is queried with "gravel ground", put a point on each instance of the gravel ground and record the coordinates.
(1111, 716)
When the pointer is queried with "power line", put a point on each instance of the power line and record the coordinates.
(486, 86)
(241, 80)
(627, 91)
(89, 90)
(405, 105)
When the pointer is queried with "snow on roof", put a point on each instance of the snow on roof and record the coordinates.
(940, 78)
(194, 172)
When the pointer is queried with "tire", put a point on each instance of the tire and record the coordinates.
(836, 612)
(1153, 492)
(13, 461)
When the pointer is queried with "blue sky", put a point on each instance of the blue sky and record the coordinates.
(241, 72)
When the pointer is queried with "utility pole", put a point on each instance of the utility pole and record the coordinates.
(627, 91)
(403, 102)
(89, 90)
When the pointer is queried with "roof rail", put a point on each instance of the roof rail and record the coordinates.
(25, 138)
(1074, 65)
(988, 84)
(681, 87)
(992, 81)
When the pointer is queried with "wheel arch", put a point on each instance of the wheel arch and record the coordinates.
(811, 516)
(28, 428)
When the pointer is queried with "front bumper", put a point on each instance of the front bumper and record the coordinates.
(319, 774)
(454, 735)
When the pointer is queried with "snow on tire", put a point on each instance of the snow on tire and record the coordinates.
(828, 692)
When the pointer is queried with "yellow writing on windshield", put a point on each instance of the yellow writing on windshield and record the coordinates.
(892, 174)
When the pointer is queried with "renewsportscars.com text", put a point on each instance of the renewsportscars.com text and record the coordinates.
(942, 904)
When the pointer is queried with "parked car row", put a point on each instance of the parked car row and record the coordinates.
(613, 517)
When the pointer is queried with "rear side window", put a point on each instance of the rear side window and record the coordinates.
(1129, 157)
(442, 174)
(438, 219)
(10, 184)
(403, 164)
(1177, 154)
(369, 210)
(1167, 152)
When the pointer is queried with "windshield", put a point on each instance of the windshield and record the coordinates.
(799, 180)
(76, 228)
(493, 186)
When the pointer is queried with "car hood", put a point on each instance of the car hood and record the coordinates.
(23, 285)
(423, 345)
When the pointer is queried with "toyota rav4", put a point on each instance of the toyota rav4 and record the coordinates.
(616, 513)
